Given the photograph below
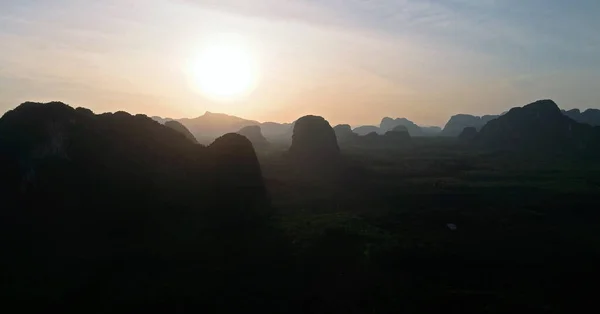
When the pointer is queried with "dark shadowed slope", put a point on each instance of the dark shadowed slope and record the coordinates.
(468, 134)
(539, 127)
(112, 207)
(459, 122)
(240, 174)
(181, 129)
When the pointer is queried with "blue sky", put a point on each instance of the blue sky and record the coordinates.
(351, 61)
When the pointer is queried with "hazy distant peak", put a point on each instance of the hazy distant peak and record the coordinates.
(366, 129)
(388, 124)
(343, 127)
(254, 134)
(399, 128)
(589, 116)
(208, 113)
(459, 122)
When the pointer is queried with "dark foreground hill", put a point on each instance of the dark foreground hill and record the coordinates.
(116, 209)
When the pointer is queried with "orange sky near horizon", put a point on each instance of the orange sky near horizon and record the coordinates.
(135, 55)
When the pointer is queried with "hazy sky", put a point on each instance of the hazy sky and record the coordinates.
(351, 61)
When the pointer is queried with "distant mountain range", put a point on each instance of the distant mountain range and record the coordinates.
(388, 124)
(590, 116)
(209, 126)
(459, 122)
(366, 129)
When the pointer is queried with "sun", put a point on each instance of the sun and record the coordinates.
(225, 69)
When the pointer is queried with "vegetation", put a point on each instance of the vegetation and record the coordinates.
(113, 212)
(379, 239)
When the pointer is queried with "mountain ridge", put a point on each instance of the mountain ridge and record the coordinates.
(211, 125)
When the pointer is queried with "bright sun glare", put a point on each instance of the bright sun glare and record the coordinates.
(225, 69)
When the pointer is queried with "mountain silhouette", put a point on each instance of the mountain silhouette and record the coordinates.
(239, 172)
(208, 127)
(589, 116)
(181, 129)
(118, 207)
(366, 129)
(254, 134)
(459, 122)
(399, 134)
(538, 127)
(344, 133)
(388, 124)
(314, 140)
(277, 132)
(212, 125)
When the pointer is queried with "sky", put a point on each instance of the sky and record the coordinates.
(350, 61)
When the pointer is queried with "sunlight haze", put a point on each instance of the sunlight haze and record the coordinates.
(225, 69)
(348, 61)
